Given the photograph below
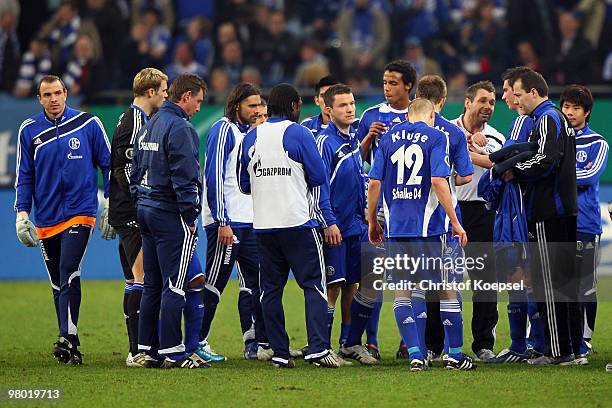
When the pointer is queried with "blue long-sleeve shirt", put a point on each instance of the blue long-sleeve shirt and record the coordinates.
(225, 204)
(591, 160)
(57, 161)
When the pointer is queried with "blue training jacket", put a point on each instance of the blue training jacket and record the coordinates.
(165, 172)
(591, 160)
(346, 193)
(57, 164)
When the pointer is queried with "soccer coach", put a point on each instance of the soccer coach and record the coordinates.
(279, 164)
(165, 180)
(549, 180)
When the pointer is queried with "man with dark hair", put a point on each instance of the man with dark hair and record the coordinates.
(279, 165)
(150, 89)
(165, 184)
(58, 153)
(591, 159)
(433, 88)
(344, 188)
(228, 221)
(319, 122)
(399, 78)
(478, 220)
(549, 182)
(510, 240)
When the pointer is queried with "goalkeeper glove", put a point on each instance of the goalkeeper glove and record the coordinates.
(26, 231)
(106, 230)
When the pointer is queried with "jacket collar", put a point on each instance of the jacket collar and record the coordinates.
(585, 130)
(59, 120)
(333, 128)
(174, 108)
(541, 108)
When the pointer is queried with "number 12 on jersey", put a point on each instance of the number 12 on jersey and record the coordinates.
(410, 157)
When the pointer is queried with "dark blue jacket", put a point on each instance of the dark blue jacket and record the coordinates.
(165, 171)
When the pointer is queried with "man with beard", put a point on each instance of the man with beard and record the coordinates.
(228, 220)
(478, 221)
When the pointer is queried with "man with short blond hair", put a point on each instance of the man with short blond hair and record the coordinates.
(150, 89)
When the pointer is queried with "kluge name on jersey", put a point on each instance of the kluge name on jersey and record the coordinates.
(410, 156)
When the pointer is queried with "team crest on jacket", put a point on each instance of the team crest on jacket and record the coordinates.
(581, 156)
(330, 270)
(74, 143)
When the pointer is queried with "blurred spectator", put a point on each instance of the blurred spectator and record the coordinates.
(358, 82)
(534, 21)
(251, 75)
(484, 46)
(607, 69)
(312, 68)
(592, 15)
(423, 65)
(30, 22)
(457, 83)
(184, 62)
(363, 30)
(275, 51)
(107, 18)
(158, 36)
(418, 19)
(231, 61)
(527, 56)
(61, 32)
(35, 64)
(9, 44)
(84, 73)
(197, 33)
(219, 87)
(164, 7)
(569, 61)
(187, 9)
(226, 32)
(134, 55)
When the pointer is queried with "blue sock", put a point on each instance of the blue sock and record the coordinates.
(330, 322)
(344, 331)
(517, 319)
(404, 316)
(372, 325)
(193, 314)
(419, 306)
(450, 314)
(536, 329)
(460, 300)
(361, 310)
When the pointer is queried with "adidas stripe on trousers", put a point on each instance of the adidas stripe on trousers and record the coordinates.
(554, 279)
(167, 248)
(301, 251)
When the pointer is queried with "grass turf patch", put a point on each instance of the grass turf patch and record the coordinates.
(28, 330)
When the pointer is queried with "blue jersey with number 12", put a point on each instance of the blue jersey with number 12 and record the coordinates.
(407, 157)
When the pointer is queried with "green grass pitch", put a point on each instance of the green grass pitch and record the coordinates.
(28, 330)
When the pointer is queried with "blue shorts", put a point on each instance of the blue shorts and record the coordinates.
(343, 262)
(420, 259)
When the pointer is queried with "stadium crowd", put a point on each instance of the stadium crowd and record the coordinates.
(101, 44)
